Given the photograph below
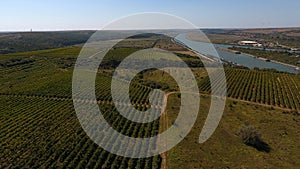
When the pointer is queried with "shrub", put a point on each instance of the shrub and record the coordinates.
(252, 137)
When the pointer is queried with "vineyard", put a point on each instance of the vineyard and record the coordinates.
(39, 127)
(276, 89)
(38, 123)
(39, 132)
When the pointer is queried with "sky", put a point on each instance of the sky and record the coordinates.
(45, 15)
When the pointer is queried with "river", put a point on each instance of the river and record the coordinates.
(239, 59)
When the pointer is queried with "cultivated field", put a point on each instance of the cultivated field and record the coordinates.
(39, 127)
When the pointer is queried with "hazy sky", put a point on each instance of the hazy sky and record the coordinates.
(93, 14)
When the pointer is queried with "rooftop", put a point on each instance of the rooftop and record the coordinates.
(246, 41)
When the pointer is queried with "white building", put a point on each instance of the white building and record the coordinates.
(250, 43)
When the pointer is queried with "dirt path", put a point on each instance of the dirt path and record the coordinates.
(245, 101)
(96, 54)
(142, 105)
(262, 104)
(165, 125)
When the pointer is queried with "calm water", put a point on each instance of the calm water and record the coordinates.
(240, 59)
(269, 49)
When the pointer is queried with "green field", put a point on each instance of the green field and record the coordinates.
(39, 127)
(226, 150)
(276, 89)
(44, 132)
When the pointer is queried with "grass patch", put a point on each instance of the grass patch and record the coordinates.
(226, 150)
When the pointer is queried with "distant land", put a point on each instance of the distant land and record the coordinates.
(11, 42)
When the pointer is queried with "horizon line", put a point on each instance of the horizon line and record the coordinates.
(69, 30)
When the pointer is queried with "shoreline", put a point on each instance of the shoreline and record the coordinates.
(191, 50)
(296, 68)
(274, 61)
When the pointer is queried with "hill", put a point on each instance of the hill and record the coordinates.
(29, 41)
